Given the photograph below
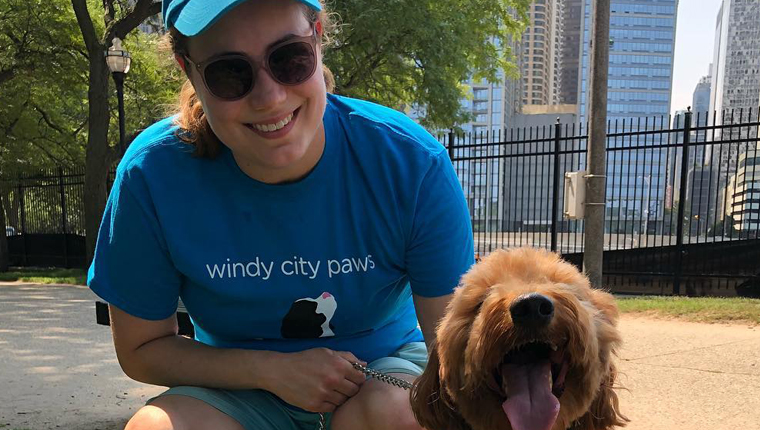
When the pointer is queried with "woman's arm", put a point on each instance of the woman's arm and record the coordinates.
(317, 380)
(154, 353)
(430, 310)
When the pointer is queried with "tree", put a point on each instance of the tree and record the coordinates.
(44, 82)
(41, 86)
(38, 51)
(404, 53)
(119, 20)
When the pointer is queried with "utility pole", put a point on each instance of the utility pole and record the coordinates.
(597, 142)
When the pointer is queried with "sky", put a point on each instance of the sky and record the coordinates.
(695, 37)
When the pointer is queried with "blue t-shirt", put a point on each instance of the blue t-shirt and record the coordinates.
(328, 261)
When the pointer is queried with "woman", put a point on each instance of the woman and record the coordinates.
(303, 231)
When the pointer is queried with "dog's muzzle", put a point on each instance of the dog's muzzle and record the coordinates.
(532, 374)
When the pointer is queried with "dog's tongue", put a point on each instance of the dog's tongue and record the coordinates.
(530, 403)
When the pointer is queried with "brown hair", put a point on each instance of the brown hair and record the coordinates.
(191, 119)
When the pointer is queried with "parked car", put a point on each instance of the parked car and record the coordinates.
(10, 231)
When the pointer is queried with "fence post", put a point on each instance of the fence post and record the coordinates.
(555, 185)
(451, 146)
(63, 219)
(23, 220)
(682, 202)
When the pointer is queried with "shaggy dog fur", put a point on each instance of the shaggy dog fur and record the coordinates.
(486, 334)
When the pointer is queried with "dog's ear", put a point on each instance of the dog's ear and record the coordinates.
(605, 302)
(604, 413)
(431, 405)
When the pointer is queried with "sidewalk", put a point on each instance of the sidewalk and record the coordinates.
(58, 369)
(687, 376)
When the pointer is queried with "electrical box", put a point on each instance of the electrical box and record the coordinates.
(575, 194)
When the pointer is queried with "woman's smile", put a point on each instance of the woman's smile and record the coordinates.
(276, 127)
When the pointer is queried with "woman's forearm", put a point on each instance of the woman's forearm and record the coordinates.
(177, 360)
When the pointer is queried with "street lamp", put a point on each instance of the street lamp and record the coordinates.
(118, 61)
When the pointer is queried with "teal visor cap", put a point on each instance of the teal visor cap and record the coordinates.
(192, 17)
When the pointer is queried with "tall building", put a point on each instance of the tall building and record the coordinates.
(642, 42)
(642, 36)
(493, 107)
(549, 70)
(524, 210)
(700, 103)
(743, 193)
(736, 56)
(570, 53)
(551, 53)
(542, 45)
(735, 85)
(700, 185)
(541, 59)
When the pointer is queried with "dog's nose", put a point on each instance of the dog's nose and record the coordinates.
(532, 310)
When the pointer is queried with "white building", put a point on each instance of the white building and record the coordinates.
(743, 192)
(735, 85)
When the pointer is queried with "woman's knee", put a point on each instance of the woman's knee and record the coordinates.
(181, 413)
(150, 418)
(397, 416)
(378, 406)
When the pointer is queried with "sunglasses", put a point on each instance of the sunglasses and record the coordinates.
(231, 77)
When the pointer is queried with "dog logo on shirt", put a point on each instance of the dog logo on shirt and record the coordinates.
(310, 318)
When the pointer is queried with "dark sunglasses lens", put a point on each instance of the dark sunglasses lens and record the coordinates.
(292, 63)
(229, 78)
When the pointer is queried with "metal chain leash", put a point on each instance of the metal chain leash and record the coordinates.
(372, 373)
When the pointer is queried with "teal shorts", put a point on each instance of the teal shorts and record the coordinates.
(262, 410)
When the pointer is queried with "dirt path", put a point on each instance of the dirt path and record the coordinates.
(58, 369)
(684, 375)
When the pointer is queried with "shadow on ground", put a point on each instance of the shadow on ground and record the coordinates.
(59, 369)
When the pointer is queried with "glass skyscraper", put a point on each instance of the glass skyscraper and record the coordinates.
(642, 42)
(642, 37)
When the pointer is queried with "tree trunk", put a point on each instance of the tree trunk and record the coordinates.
(98, 158)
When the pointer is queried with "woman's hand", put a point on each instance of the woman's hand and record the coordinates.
(316, 380)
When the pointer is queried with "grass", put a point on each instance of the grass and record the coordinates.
(695, 309)
(45, 275)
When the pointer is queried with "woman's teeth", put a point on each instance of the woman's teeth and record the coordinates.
(273, 127)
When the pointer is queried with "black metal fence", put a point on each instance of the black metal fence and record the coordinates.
(45, 218)
(703, 170)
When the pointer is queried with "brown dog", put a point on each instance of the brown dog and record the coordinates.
(526, 344)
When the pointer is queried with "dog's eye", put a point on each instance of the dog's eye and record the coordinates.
(478, 306)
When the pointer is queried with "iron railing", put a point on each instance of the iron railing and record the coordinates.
(703, 170)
